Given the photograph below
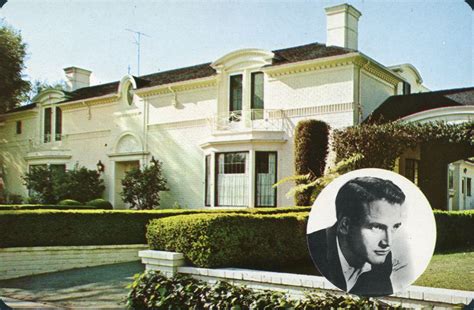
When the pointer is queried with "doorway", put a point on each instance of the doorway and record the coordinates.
(121, 167)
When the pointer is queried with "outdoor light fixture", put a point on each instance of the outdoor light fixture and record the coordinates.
(153, 161)
(100, 166)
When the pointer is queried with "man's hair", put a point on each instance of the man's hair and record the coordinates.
(359, 192)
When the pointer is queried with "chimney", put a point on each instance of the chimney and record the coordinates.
(342, 26)
(77, 78)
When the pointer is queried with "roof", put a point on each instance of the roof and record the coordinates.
(282, 56)
(396, 107)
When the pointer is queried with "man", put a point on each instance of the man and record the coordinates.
(355, 253)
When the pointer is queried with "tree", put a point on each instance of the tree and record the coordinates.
(13, 89)
(38, 86)
(41, 181)
(141, 187)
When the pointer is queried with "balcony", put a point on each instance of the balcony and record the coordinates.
(248, 120)
(49, 146)
(246, 126)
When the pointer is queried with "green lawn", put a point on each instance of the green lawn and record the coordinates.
(455, 270)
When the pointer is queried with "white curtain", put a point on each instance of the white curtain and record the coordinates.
(232, 188)
(265, 192)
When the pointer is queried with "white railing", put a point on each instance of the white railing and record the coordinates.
(255, 119)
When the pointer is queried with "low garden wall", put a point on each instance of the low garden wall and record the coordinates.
(171, 263)
(26, 261)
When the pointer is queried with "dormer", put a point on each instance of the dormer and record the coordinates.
(50, 114)
(413, 81)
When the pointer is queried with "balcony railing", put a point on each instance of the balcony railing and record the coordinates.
(244, 120)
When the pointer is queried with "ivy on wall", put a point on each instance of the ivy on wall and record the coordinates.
(381, 144)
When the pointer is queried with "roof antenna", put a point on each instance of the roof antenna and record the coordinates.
(137, 42)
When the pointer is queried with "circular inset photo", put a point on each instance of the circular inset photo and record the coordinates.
(371, 232)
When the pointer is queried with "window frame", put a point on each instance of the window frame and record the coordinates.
(19, 127)
(415, 168)
(275, 193)
(216, 175)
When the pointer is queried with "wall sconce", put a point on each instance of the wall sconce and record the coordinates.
(100, 167)
(153, 161)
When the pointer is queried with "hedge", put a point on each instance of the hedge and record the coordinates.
(20, 228)
(269, 241)
(455, 230)
(235, 240)
(46, 207)
(152, 290)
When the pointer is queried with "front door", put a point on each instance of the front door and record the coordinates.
(121, 167)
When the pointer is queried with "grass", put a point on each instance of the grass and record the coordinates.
(453, 270)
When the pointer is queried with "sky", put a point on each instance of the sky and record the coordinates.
(437, 37)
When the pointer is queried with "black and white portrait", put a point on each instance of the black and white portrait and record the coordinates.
(365, 230)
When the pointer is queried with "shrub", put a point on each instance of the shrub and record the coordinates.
(141, 188)
(454, 230)
(152, 290)
(69, 202)
(42, 180)
(311, 150)
(44, 207)
(20, 227)
(100, 203)
(218, 240)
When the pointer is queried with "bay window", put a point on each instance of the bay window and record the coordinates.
(232, 179)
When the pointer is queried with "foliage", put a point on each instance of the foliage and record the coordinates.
(142, 187)
(218, 240)
(454, 230)
(314, 187)
(9, 198)
(152, 290)
(80, 184)
(50, 185)
(43, 227)
(382, 144)
(13, 88)
(311, 150)
(39, 86)
(44, 207)
(69, 202)
(100, 203)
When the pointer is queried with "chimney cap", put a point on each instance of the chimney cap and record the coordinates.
(343, 8)
(76, 69)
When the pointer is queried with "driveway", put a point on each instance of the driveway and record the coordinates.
(92, 287)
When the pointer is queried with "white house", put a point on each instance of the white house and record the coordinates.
(223, 130)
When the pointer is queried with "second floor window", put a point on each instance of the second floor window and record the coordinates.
(257, 90)
(52, 132)
(235, 103)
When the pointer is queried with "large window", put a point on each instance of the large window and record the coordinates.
(265, 165)
(232, 179)
(47, 125)
(235, 103)
(207, 201)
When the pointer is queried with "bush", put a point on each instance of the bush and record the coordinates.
(100, 203)
(152, 290)
(141, 188)
(69, 202)
(20, 227)
(44, 207)
(219, 240)
(454, 230)
(311, 150)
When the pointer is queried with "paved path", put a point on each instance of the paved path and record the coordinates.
(101, 287)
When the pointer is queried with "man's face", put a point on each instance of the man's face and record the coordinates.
(371, 239)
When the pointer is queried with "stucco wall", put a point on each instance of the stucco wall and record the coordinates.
(373, 92)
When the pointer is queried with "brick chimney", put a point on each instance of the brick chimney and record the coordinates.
(77, 78)
(342, 26)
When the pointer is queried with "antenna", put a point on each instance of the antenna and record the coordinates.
(137, 42)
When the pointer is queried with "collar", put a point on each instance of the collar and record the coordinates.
(350, 273)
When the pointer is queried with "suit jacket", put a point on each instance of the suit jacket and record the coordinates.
(323, 250)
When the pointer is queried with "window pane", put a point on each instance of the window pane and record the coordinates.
(18, 127)
(468, 187)
(265, 178)
(235, 93)
(450, 179)
(232, 179)
(47, 125)
(257, 90)
(59, 124)
(411, 170)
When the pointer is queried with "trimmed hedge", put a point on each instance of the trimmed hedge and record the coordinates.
(45, 207)
(69, 202)
(236, 240)
(152, 290)
(455, 230)
(22, 227)
(100, 203)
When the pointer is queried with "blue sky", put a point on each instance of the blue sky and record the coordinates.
(434, 36)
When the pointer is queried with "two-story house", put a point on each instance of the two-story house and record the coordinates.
(223, 130)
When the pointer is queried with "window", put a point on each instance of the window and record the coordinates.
(49, 115)
(468, 186)
(406, 88)
(207, 201)
(257, 90)
(265, 165)
(232, 179)
(450, 179)
(18, 127)
(235, 103)
(411, 170)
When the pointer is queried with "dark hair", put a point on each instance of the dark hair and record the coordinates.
(358, 192)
